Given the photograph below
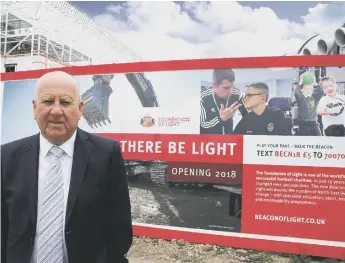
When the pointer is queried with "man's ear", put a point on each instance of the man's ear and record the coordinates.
(81, 104)
(214, 84)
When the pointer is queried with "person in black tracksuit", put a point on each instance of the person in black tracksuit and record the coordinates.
(262, 120)
(219, 103)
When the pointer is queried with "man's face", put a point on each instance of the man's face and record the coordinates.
(57, 109)
(253, 97)
(329, 87)
(224, 89)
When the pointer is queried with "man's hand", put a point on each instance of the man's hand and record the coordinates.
(227, 113)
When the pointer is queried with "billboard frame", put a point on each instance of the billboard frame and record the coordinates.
(239, 240)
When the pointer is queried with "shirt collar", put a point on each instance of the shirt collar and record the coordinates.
(68, 146)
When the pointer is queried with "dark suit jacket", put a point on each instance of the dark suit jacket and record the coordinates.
(98, 218)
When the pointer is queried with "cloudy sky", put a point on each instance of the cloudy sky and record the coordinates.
(180, 30)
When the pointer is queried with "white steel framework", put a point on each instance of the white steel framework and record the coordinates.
(57, 32)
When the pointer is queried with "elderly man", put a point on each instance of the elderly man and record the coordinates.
(64, 194)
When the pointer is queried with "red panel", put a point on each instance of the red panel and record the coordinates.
(255, 62)
(241, 242)
(315, 208)
(180, 147)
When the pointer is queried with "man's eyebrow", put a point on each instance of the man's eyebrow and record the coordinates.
(50, 97)
(45, 97)
(66, 98)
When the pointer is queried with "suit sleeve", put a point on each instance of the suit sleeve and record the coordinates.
(119, 220)
(4, 215)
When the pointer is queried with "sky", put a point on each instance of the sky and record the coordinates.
(187, 30)
(283, 9)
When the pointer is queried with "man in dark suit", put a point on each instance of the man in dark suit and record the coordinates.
(64, 193)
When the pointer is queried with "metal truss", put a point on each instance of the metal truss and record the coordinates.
(19, 38)
(59, 32)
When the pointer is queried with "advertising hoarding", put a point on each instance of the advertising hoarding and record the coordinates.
(271, 176)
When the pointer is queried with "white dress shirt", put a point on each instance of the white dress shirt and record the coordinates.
(45, 162)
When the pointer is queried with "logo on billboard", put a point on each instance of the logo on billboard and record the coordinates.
(172, 121)
(147, 121)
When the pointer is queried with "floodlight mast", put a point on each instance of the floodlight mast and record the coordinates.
(333, 45)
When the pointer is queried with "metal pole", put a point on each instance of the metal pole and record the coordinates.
(39, 44)
(6, 26)
(63, 52)
(47, 50)
(70, 55)
(32, 41)
(47, 45)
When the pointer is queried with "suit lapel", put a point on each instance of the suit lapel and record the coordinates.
(30, 169)
(80, 160)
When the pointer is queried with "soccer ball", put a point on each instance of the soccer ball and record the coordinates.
(336, 108)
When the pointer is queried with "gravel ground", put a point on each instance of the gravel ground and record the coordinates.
(172, 207)
(149, 250)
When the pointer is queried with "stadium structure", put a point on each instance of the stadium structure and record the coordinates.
(40, 35)
(54, 34)
(50, 34)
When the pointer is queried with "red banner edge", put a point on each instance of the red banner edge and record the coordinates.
(190, 64)
(242, 242)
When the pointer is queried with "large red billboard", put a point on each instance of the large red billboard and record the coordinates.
(245, 152)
